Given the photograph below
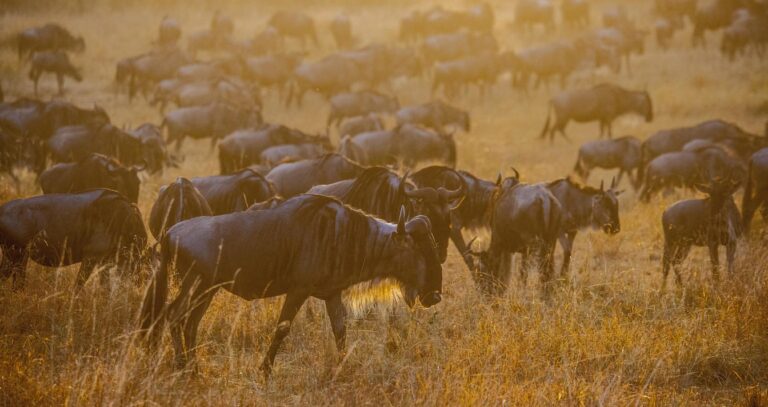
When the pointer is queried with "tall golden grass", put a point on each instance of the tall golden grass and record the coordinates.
(607, 336)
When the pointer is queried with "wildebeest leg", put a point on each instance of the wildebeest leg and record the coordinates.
(674, 254)
(86, 268)
(292, 304)
(60, 82)
(14, 264)
(524, 264)
(458, 240)
(199, 303)
(35, 76)
(714, 258)
(337, 314)
(730, 254)
(566, 241)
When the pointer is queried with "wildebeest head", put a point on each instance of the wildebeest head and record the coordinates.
(487, 269)
(416, 264)
(719, 191)
(437, 204)
(78, 44)
(642, 104)
(123, 178)
(605, 209)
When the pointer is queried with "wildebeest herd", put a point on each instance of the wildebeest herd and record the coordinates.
(377, 197)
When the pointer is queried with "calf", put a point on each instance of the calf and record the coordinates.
(710, 222)
(91, 228)
(622, 153)
(177, 201)
(56, 62)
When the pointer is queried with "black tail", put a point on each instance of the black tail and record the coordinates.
(641, 169)
(579, 167)
(545, 130)
(746, 204)
(151, 318)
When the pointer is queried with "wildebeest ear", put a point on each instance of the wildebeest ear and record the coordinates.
(401, 222)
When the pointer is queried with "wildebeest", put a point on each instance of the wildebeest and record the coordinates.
(414, 144)
(622, 153)
(272, 70)
(213, 121)
(437, 20)
(56, 62)
(91, 228)
(49, 37)
(175, 202)
(328, 76)
(436, 115)
(153, 150)
(94, 171)
(481, 70)
(74, 143)
(169, 32)
(234, 192)
(626, 40)
(381, 192)
(665, 30)
(360, 124)
(145, 70)
(351, 104)
(309, 246)
(756, 188)
(709, 222)
(525, 219)
(746, 29)
(243, 148)
(447, 47)
(575, 13)
(529, 13)
(294, 24)
(341, 29)
(603, 103)
(291, 179)
(584, 207)
(272, 156)
(712, 16)
(546, 61)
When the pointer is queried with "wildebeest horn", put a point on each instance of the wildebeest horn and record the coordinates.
(428, 194)
(450, 195)
(517, 174)
(401, 187)
(498, 180)
(613, 182)
(401, 221)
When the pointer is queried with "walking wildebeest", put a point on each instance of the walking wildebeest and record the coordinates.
(74, 143)
(309, 246)
(294, 24)
(177, 201)
(436, 115)
(328, 76)
(381, 193)
(56, 62)
(49, 37)
(584, 207)
(360, 124)
(526, 219)
(91, 228)
(351, 104)
(94, 171)
(603, 103)
(474, 211)
(234, 192)
(710, 222)
(757, 181)
(153, 150)
(213, 121)
(622, 153)
(291, 179)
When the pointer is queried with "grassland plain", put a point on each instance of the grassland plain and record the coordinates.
(607, 336)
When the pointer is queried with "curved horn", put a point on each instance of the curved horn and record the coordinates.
(517, 174)
(428, 194)
(401, 187)
(613, 182)
(401, 221)
(450, 195)
(498, 180)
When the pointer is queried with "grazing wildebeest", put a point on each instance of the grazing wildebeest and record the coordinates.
(436, 115)
(351, 104)
(525, 219)
(545, 61)
(328, 76)
(153, 150)
(275, 155)
(360, 124)
(341, 29)
(481, 70)
(309, 246)
(710, 222)
(622, 153)
(234, 192)
(757, 181)
(74, 143)
(584, 207)
(371, 147)
(56, 62)
(294, 24)
(94, 171)
(529, 13)
(381, 193)
(91, 228)
(575, 13)
(49, 37)
(243, 148)
(213, 121)
(291, 179)
(177, 201)
(272, 70)
(473, 213)
(603, 103)
(414, 144)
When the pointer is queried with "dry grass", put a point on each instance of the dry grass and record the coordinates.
(606, 337)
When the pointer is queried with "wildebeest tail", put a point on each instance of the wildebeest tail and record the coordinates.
(151, 317)
(641, 168)
(579, 167)
(746, 203)
(451, 142)
(547, 123)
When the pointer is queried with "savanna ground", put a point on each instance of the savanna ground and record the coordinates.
(608, 336)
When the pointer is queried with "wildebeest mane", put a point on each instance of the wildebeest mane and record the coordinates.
(576, 184)
(377, 191)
